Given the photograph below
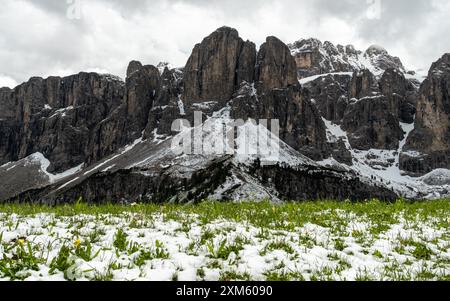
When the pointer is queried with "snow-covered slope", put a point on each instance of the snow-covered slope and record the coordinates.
(381, 167)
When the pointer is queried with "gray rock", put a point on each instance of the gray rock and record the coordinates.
(275, 67)
(211, 71)
(431, 136)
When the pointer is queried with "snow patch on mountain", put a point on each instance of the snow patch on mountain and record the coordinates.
(306, 80)
(381, 167)
(44, 164)
(437, 177)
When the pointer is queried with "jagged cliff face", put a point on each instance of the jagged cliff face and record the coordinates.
(218, 66)
(276, 94)
(429, 144)
(314, 57)
(369, 110)
(55, 116)
(261, 85)
(275, 67)
(118, 133)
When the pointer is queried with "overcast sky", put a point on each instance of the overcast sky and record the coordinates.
(55, 37)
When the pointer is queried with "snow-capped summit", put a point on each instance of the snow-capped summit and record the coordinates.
(314, 57)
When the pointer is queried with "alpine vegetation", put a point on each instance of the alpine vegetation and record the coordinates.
(326, 241)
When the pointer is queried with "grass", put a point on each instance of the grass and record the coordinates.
(265, 214)
(101, 241)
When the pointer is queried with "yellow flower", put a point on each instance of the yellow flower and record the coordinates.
(77, 243)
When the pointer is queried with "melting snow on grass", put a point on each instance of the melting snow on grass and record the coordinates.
(340, 245)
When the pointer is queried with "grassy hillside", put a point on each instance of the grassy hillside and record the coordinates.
(323, 240)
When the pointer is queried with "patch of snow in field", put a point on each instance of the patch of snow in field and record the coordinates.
(307, 250)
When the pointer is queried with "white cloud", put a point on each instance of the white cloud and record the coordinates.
(6, 81)
(39, 40)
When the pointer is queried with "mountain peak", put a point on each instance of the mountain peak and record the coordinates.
(441, 66)
(376, 49)
(314, 57)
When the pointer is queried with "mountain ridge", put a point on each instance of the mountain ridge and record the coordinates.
(355, 127)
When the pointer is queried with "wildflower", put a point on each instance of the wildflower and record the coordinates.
(77, 243)
(21, 242)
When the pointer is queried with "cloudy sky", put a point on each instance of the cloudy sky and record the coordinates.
(62, 37)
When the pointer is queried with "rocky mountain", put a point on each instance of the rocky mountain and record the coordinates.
(314, 57)
(428, 146)
(352, 125)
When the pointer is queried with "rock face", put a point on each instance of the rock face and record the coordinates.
(55, 116)
(371, 125)
(363, 84)
(142, 89)
(369, 110)
(217, 66)
(275, 66)
(428, 146)
(300, 123)
(330, 94)
(168, 104)
(401, 94)
(314, 57)
(276, 94)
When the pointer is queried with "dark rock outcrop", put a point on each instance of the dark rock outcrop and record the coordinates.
(370, 124)
(319, 184)
(363, 84)
(369, 114)
(300, 122)
(430, 140)
(142, 88)
(330, 95)
(401, 94)
(275, 67)
(217, 67)
(276, 94)
(168, 106)
(55, 116)
(310, 183)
